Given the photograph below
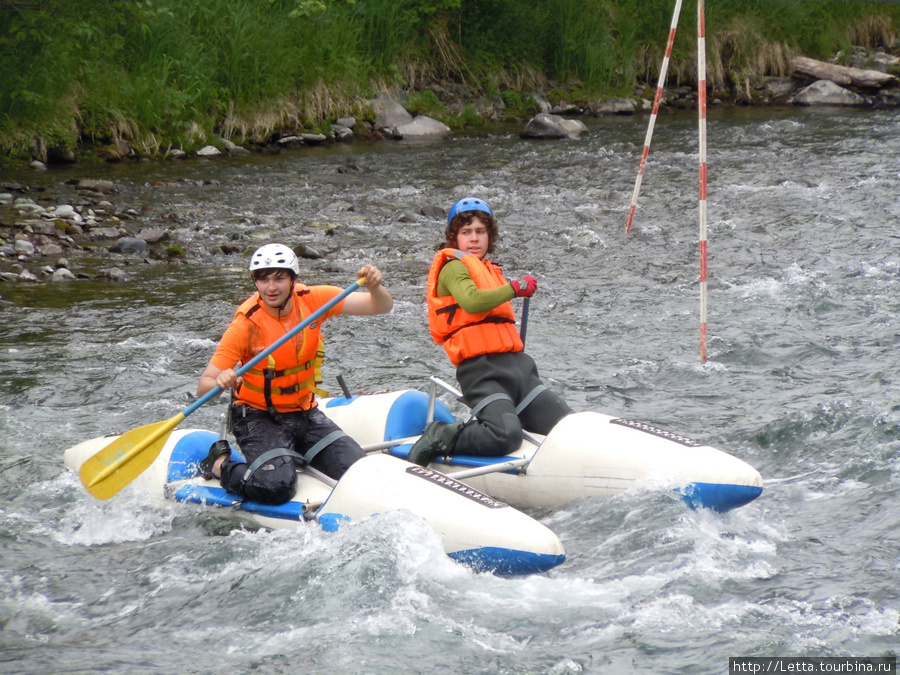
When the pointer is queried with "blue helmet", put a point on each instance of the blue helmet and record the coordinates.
(468, 204)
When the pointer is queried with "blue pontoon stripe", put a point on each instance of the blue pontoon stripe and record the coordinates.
(719, 496)
(505, 562)
(204, 494)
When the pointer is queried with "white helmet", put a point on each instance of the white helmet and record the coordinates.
(274, 256)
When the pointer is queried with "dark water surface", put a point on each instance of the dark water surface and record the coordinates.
(804, 298)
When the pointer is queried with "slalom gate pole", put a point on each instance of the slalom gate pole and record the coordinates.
(656, 101)
(701, 106)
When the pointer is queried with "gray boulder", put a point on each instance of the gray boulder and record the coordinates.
(827, 93)
(422, 127)
(545, 125)
(130, 246)
(390, 115)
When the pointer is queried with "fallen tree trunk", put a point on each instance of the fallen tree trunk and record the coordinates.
(842, 75)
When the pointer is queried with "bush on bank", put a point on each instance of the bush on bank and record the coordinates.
(162, 74)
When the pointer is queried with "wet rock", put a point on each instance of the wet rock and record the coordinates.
(565, 108)
(432, 211)
(62, 274)
(544, 125)
(74, 229)
(313, 139)
(24, 247)
(20, 187)
(64, 212)
(350, 167)
(422, 127)
(115, 274)
(51, 250)
(389, 115)
(340, 132)
(99, 186)
(153, 236)
(104, 233)
(26, 205)
(209, 151)
(234, 149)
(25, 275)
(301, 140)
(780, 87)
(827, 93)
(540, 102)
(290, 141)
(307, 252)
(617, 106)
(38, 166)
(130, 246)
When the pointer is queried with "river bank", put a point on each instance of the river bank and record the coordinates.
(81, 229)
(866, 78)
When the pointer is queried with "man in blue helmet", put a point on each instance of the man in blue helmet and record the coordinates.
(471, 316)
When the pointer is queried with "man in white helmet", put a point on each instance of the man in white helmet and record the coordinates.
(274, 418)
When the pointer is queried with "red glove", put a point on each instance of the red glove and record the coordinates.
(524, 287)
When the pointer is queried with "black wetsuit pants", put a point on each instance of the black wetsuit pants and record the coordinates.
(275, 481)
(497, 429)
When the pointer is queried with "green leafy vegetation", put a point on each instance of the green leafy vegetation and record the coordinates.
(146, 76)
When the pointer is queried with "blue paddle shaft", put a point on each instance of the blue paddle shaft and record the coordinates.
(215, 391)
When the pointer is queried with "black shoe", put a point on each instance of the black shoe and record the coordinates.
(216, 450)
(434, 442)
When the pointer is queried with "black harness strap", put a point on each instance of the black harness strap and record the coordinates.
(490, 319)
(486, 401)
(322, 444)
(268, 456)
(533, 394)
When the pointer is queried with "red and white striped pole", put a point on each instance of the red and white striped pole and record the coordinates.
(659, 90)
(701, 105)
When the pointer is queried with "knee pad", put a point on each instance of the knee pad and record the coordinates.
(512, 429)
(273, 483)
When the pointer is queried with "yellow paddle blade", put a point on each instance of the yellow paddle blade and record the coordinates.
(123, 460)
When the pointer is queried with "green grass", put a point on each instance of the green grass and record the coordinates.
(157, 74)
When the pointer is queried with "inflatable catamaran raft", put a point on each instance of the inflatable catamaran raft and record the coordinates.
(586, 454)
(476, 530)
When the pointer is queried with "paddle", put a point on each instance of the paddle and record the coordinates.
(523, 324)
(123, 460)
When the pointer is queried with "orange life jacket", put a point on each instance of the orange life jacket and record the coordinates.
(465, 335)
(286, 380)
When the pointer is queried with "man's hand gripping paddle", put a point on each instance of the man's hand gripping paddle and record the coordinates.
(123, 460)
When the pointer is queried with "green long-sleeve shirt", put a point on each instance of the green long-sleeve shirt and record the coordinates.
(454, 279)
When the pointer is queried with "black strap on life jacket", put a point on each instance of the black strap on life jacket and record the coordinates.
(490, 319)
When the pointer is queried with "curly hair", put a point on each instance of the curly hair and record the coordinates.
(461, 220)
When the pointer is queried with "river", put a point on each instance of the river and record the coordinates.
(801, 382)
